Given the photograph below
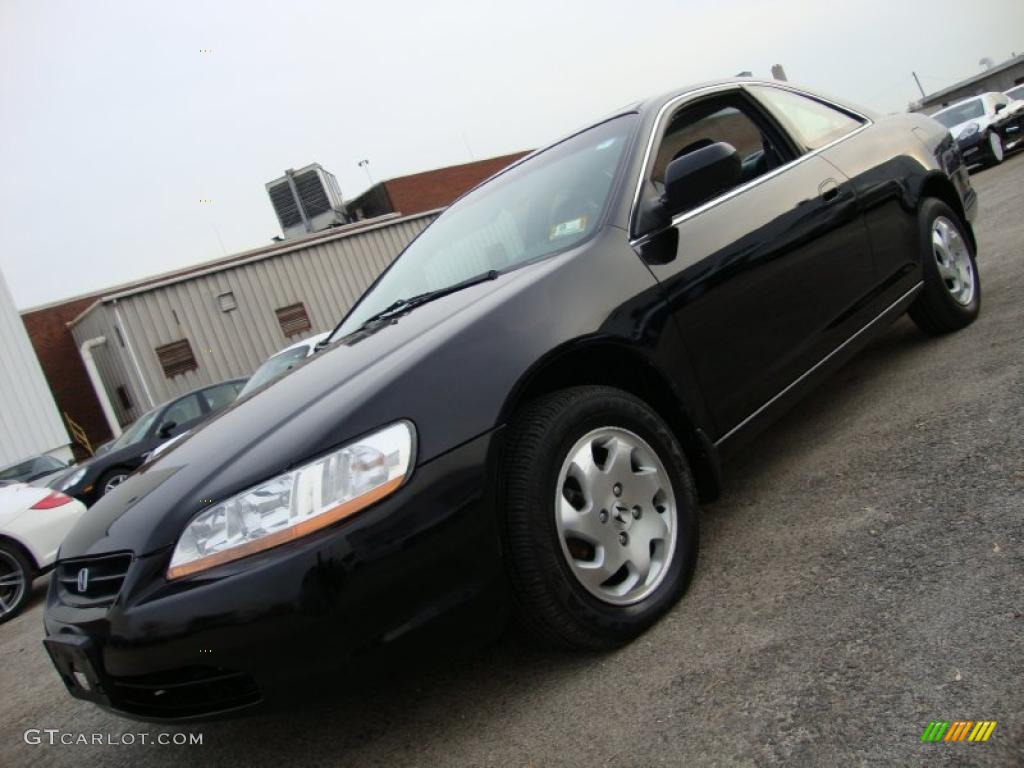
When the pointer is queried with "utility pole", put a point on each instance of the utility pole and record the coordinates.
(918, 81)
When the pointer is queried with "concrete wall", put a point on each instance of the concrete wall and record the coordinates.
(29, 421)
(326, 276)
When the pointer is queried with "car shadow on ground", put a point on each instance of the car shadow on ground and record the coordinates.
(444, 689)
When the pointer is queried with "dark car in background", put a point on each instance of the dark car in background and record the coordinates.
(522, 412)
(117, 459)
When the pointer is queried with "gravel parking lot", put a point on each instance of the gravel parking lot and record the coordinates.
(862, 575)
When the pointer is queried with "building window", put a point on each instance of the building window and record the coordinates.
(122, 395)
(293, 319)
(227, 302)
(176, 358)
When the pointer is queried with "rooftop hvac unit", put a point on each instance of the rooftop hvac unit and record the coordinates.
(306, 200)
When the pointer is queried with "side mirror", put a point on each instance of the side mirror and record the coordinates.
(698, 176)
(166, 429)
(1000, 108)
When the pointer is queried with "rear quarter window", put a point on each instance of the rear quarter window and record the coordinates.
(814, 123)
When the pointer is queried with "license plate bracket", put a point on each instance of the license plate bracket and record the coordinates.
(76, 660)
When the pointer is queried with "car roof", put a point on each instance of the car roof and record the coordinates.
(653, 104)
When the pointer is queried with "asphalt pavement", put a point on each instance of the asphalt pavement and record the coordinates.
(862, 575)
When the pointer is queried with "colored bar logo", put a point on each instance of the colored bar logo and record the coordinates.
(958, 730)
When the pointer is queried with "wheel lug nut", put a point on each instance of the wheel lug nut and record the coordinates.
(603, 516)
(623, 538)
(617, 489)
(637, 512)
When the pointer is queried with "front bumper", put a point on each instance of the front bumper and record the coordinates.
(281, 625)
(974, 148)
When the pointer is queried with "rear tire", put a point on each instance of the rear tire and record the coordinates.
(951, 297)
(634, 497)
(15, 581)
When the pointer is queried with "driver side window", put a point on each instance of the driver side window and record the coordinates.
(183, 411)
(727, 119)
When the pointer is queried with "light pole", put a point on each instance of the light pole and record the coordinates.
(365, 165)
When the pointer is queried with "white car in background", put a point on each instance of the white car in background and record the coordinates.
(985, 127)
(282, 362)
(274, 367)
(33, 523)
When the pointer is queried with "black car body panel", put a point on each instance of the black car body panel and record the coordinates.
(720, 320)
(397, 568)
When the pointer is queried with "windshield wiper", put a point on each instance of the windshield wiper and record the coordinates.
(404, 305)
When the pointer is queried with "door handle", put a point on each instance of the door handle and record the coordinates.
(829, 190)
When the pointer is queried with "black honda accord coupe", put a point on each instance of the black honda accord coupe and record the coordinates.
(521, 414)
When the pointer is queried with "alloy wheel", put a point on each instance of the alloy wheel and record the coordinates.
(616, 515)
(12, 583)
(953, 259)
(995, 144)
(113, 482)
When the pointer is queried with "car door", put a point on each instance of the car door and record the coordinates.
(764, 279)
(1009, 119)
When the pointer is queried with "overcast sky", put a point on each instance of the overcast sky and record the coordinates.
(113, 124)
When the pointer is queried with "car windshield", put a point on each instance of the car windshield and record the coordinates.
(31, 469)
(961, 113)
(135, 432)
(544, 205)
(276, 366)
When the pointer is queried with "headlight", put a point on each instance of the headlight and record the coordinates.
(70, 481)
(970, 130)
(296, 503)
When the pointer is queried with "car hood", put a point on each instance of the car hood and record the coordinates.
(357, 385)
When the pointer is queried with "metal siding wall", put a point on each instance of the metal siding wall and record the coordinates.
(29, 421)
(113, 362)
(327, 277)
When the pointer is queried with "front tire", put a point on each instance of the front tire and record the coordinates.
(600, 517)
(951, 298)
(110, 480)
(996, 153)
(15, 582)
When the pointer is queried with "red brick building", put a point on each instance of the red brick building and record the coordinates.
(62, 365)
